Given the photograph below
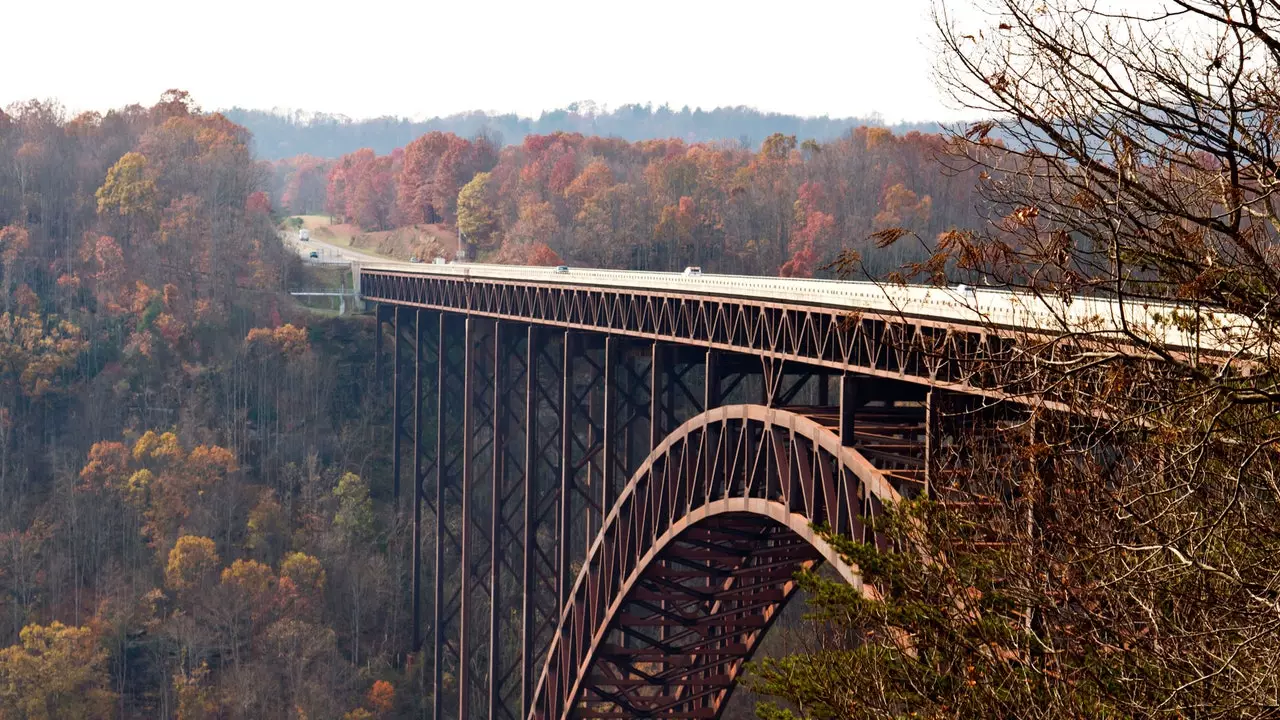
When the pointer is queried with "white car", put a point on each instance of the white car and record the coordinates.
(693, 270)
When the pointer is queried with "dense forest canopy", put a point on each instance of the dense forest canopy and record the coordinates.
(787, 208)
(177, 538)
(280, 134)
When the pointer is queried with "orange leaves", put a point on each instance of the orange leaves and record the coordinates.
(526, 253)
(302, 580)
(107, 466)
(595, 179)
(207, 464)
(381, 698)
(900, 206)
(1024, 216)
(14, 241)
(251, 586)
(540, 254)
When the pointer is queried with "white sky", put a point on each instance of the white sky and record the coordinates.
(419, 59)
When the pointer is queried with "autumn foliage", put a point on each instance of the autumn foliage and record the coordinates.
(787, 208)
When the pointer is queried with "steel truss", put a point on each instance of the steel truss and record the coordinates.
(932, 352)
(615, 520)
(699, 552)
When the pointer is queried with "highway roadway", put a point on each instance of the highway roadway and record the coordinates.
(329, 254)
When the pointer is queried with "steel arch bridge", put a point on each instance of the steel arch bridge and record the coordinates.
(619, 483)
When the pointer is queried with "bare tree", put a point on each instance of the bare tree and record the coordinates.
(1114, 552)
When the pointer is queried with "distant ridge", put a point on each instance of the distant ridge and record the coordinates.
(280, 134)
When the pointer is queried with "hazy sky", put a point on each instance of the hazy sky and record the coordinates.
(425, 58)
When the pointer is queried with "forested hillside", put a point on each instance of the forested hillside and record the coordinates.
(786, 208)
(181, 532)
(278, 135)
(195, 512)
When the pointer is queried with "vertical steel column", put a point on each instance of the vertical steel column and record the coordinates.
(377, 346)
(527, 663)
(468, 432)
(417, 483)
(848, 408)
(609, 442)
(711, 391)
(658, 367)
(563, 577)
(437, 605)
(444, 475)
(397, 416)
(546, 477)
(495, 514)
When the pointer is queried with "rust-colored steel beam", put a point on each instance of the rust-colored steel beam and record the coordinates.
(699, 552)
(418, 429)
(919, 350)
(637, 481)
(451, 450)
(508, 565)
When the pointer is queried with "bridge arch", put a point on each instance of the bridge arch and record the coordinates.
(696, 558)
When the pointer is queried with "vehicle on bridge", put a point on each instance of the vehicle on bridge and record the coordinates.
(314, 254)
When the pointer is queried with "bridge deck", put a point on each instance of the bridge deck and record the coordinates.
(970, 307)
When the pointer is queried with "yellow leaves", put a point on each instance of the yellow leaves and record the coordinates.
(138, 486)
(304, 571)
(128, 189)
(56, 672)
(195, 696)
(477, 218)
(35, 350)
(192, 562)
(152, 446)
(288, 340)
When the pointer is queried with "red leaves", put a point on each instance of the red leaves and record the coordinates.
(258, 202)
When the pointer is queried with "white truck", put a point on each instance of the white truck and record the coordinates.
(304, 235)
